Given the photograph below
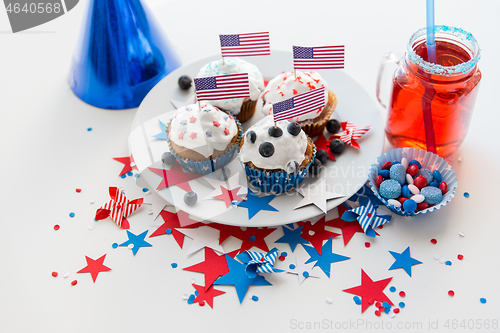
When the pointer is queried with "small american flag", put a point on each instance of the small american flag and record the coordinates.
(245, 45)
(298, 105)
(222, 87)
(319, 57)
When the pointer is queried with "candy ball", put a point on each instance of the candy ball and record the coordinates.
(390, 189)
(167, 158)
(190, 198)
(409, 206)
(398, 172)
(427, 174)
(432, 195)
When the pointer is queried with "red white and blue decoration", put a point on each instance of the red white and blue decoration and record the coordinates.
(245, 45)
(258, 262)
(318, 57)
(366, 214)
(299, 104)
(118, 208)
(217, 87)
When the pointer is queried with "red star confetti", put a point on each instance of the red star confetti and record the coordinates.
(229, 195)
(213, 266)
(127, 161)
(316, 233)
(228, 230)
(370, 291)
(255, 237)
(206, 295)
(322, 144)
(171, 225)
(351, 134)
(118, 208)
(94, 267)
(175, 176)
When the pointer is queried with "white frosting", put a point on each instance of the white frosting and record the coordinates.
(202, 131)
(286, 85)
(286, 147)
(234, 66)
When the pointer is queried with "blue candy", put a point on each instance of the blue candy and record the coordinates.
(427, 174)
(433, 195)
(396, 162)
(398, 173)
(409, 206)
(384, 173)
(437, 176)
(405, 191)
(390, 189)
(415, 162)
(434, 184)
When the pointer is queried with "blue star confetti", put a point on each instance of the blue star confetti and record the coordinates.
(163, 134)
(292, 237)
(255, 203)
(326, 258)
(238, 278)
(404, 260)
(136, 240)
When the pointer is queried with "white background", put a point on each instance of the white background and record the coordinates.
(46, 152)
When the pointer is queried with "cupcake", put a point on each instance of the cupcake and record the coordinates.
(276, 156)
(287, 85)
(203, 140)
(241, 108)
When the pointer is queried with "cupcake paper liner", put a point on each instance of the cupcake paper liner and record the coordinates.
(277, 182)
(429, 161)
(206, 166)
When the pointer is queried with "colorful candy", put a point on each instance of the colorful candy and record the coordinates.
(387, 165)
(412, 170)
(432, 195)
(437, 176)
(398, 172)
(405, 191)
(409, 205)
(390, 189)
(420, 182)
(443, 187)
(427, 174)
(379, 180)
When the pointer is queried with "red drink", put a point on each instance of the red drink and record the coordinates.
(450, 96)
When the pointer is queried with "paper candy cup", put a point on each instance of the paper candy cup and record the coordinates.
(277, 182)
(206, 166)
(429, 161)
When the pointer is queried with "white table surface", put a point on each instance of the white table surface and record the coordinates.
(46, 152)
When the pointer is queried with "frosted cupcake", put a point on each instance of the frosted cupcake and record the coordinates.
(287, 85)
(203, 140)
(276, 159)
(241, 108)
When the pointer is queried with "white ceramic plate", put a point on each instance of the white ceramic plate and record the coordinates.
(345, 176)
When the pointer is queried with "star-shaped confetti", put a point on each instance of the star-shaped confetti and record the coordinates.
(175, 176)
(225, 186)
(292, 237)
(366, 214)
(118, 208)
(316, 233)
(255, 203)
(322, 144)
(326, 258)
(207, 294)
(255, 237)
(94, 267)
(228, 230)
(203, 237)
(302, 270)
(213, 266)
(316, 194)
(404, 261)
(163, 134)
(370, 291)
(351, 134)
(238, 278)
(136, 241)
(229, 195)
(258, 262)
(155, 203)
(128, 164)
(172, 224)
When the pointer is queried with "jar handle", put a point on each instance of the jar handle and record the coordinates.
(388, 58)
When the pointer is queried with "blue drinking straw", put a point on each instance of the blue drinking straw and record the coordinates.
(431, 43)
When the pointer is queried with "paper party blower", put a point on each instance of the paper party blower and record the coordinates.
(120, 56)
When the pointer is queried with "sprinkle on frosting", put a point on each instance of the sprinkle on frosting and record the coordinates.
(235, 66)
(216, 123)
(286, 85)
(193, 135)
(192, 119)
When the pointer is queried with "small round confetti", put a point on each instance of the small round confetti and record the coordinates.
(201, 303)
(328, 300)
(482, 300)
(55, 274)
(145, 190)
(57, 227)
(396, 310)
(255, 298)
(442, 260)
(71, 214)
(378, 305)
(284, 254)
(168, 231)
(185, 296)
(460, 257)
(448, 263)
(196, 293)
(114, 245)
(78, 190)
(130, 173)
(174, 265)
(377, 313)
(392, 314)
(123, 176)
(66, 275)
(92, 202)
(402, 294)
(402, 304)
(461, 233)
(292, 266)
(282, 258)
(392, 289)
(305, 274)
(434, 241)
(130, 246)
(91, 227)
(191, 299)
(74, 282)
(89, 129)
(357, 300)
(311, 232)
(252, 238)
(367, 244)
(466, 194)
(437, 256)
(137, 175)
(451, 293)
